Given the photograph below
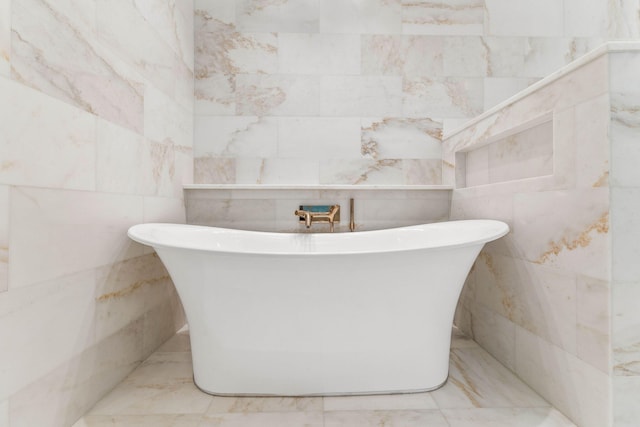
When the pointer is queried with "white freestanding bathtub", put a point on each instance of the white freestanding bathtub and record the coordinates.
(319, 314)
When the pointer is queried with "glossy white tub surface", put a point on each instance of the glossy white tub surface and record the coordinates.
(319, 314)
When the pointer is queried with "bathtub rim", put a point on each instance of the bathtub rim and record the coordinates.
(135, 232)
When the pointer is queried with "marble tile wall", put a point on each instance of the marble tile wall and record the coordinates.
(96, 119)
(553, 299)
(401, 72)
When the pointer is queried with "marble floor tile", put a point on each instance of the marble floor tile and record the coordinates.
(506, 417)
(480, 392)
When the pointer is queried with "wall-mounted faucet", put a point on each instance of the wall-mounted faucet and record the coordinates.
(324, 214)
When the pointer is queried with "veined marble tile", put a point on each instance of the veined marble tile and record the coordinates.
(164, 209)
(173, 21)
(592, 146)
(382, 54)
(576, 388)
(56, 319)
(626, 392)
(118, 158)
(624, 129)
(5, 38)
(181, 420)
(585, 18)
(214, 170)
(360, 96)
(229, 405)
(347, 171)
(544, 55)
(92, 79)
(594, 322)
(165, 168)
(166, 121)
(277, 171)
(354, 17)
(163, 384)
(625, 336)
(267, 419)
(574, 234)
(277, 94)
(237, 136)
(4, 413)
(394, 402)
(180, 342)
(466, 57)
(255, 214)
(145, 51)
(625, 225)
(288, 16)
(401, 138)
(215, 94)
(50, 230)
(477, 380)
(495, 333)
(500, 89)
(524, 18)
(504, 56)
(221, 49)
(319, 138)
(319, 54)
(623, 22)
(222, 10)
(451, 17)
(74, 387)
(161, 322)
(443, 97)
(4, 238)
(64, 159)
(422, 171)
(127, 289)
(387, 418)
(506, 417)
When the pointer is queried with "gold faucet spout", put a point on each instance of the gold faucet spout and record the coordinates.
(306, 215)
(310, 217)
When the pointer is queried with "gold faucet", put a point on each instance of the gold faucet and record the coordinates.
(310, 216)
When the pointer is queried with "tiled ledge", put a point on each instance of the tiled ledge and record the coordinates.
(315, 187)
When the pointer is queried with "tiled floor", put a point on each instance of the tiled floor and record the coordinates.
(480, 393)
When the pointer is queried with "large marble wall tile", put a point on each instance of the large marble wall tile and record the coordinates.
(361, 96)
(451, 17)
(466, 57)
(215, 94)
(4, 413)
(361, 171)
(118, 159)
(422, 171)
(72, 388)
(214, 170)
(252, 214)
(585, 18)
(398, 138)
(5, 38)
(575, 387)
(277, 94)
(524, 18)
(594, 322)
(165, 120)
(222, 10)
(236, 136)
(291, 16)
(568, 230)
(173, 21)
(626, 329)
(504, 56)
(494, 333)
(324, 54)
(319, 138)
(382, 54)
(544, 55)
(143, 50)
(355, 17)
(443, 97)
(625, 225)
(221, 49)
(44, 142)
(396, 55)
(623, 20)
(626, 411)
(505, 417)
(54, 232)
(298, 171)
(164, 209)
(4, 238)
(592, 147)
(37, 321)
(91, 79)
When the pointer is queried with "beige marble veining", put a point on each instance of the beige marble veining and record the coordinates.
(480, 392)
